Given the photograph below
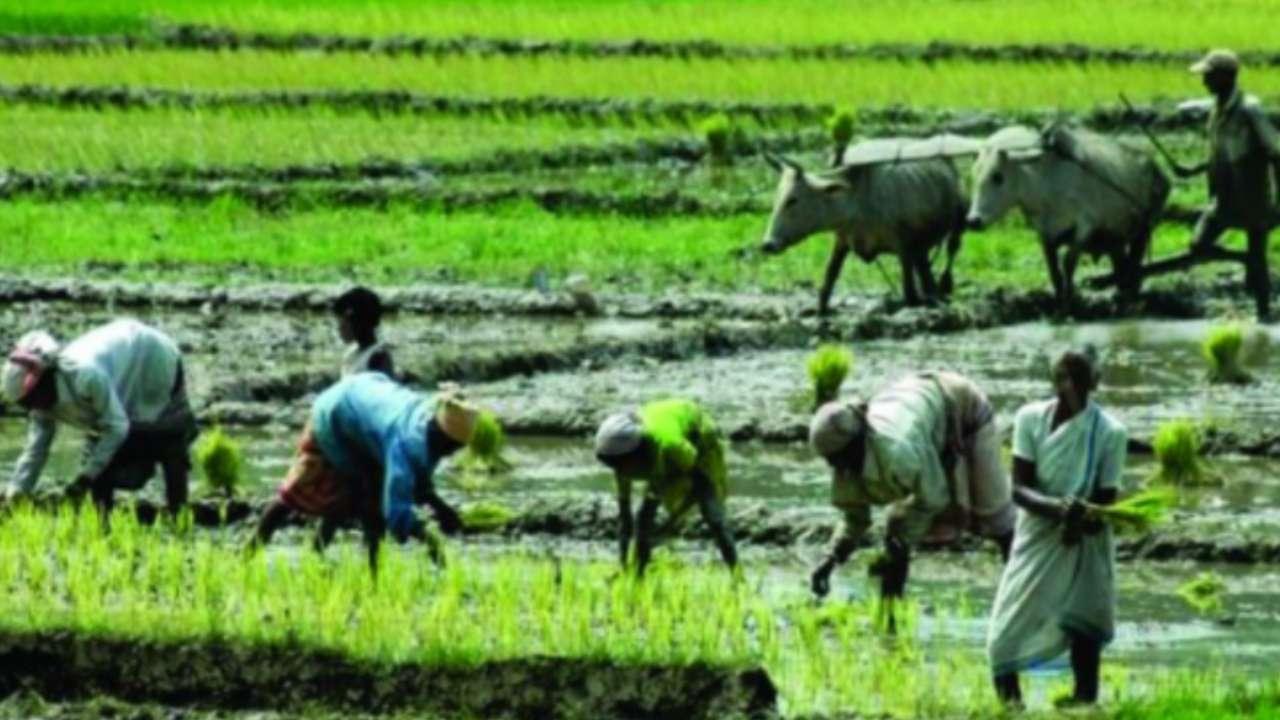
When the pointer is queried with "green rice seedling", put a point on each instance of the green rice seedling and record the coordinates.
(1141, 512)
(487, 516)
(718, 132)
(1177, 445)
(1221, 350)
(221, 463)
(484, 452)
(840, 125)
(828, 367)
(1204, 593)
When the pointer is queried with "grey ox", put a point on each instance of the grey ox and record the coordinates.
(879, 200)
(1079, 190)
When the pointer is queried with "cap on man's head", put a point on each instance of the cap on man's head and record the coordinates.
(834, 426)
(619, 434)
(27, 363)
(1217, 60)
(456, 417)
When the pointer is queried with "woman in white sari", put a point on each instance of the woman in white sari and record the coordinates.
(1057, 593)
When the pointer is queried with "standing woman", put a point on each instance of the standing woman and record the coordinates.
(1057, 593)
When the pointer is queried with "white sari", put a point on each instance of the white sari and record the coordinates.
(1049, 589)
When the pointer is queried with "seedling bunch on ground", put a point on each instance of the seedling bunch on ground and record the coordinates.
(1221, 350)
(1177, 446)
(484, 454)
(828, 367)
(1204, 593)
(221, 463)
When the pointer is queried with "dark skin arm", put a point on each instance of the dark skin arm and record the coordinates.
(644, 537)
(625, 521)
(1029, 498)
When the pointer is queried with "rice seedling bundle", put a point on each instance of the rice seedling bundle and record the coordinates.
(1221, 349)
(1141, 512)
(221, 463)
(487, 516)
(1177, 445)
(1204, 593)
(484, 452)
(828, 366)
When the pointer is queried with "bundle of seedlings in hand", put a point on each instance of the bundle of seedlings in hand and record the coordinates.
(487, 516)
(828, 366)
(484, 452)
(1204, 593)
(221, 463)
(1221, 350)
(1177, 447)
(840, 125)
(1141, 512)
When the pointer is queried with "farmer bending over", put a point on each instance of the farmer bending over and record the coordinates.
(369, 451)
(675, 448)
(359, 313)
(1058, 588)
(122, 384)
(927, 446)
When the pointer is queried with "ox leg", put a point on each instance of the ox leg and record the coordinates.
(1069, 264)
(909, 294)
(839, 252)
(953, 247)
(1050, 248)
(925, 274)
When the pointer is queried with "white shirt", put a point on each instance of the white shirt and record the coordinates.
(121, 373)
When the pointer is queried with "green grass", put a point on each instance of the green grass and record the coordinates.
(153, 584)
(1239, 23)
(229, 242)
(44, 139)
(843, 82)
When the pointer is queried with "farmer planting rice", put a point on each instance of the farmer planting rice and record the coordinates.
(1243, 170)
(369, 451)
(359, 313)
(927, 445)
(1057, 593)
(121, 383)
(675, 448)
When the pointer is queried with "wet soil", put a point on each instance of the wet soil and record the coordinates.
(212, 674)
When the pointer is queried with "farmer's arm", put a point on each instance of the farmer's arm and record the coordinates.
(625, 521)
(856, 520)
(110, 422)
(645, 533)
(713, 515)
(1110, 470)
(40, 432)
(397, 496)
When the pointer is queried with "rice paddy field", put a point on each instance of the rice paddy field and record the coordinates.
(531, 185)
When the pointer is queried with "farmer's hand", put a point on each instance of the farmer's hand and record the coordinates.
(450, 523)
(820, 581)
(1074, 514)
(1093, 522)
(79, 487)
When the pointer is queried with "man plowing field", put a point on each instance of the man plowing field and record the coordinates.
(1243, 170)
(927, 446)
(674, 447)
(122, 384)
(369, 452)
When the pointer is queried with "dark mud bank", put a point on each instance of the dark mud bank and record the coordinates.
(64, 665)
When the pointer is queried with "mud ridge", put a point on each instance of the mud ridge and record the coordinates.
(211, 38)
(899, 119)
(280, 197)
(645, 152)
(212, 673)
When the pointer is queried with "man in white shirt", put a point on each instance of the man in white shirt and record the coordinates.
(122, 384)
